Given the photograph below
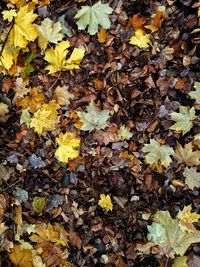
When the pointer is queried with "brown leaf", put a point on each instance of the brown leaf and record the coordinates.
(187, 155)
(74, 239)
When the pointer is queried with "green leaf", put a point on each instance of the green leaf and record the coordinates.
(25, 117)
(124, 133)
(158, 153)
(178, 239)
(157, 233)
(93, 118)
(65, 30)
(196, 94)
(49, 32)
(38, 204)
(93, 16)
(183, 119)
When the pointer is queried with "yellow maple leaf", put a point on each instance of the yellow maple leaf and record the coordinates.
(33, 101)
(105, 202)
(23, 30)
(21, 257)
(75, 59)
(9, 14)
(53, 233)
(187, 217)
(57, 57)
(45, 118)
(68, 145)
(141, 39)
(8, 58)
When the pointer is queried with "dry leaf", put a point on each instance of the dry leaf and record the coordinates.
(187, 155)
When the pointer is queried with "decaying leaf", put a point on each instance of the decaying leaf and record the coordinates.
(53, 233)
(21, 257)
(93, 118)
(192, 177)
(102, 36)
(63, 95)
(158, 153)
(39, 204)
(187, 218)
(184, 119)
(3, 110)
(93, 16)
(187, 155)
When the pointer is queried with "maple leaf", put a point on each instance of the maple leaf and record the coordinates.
(186, 218)
(187, 155)
(141, 39)
(63, 96)
(21, 257)
(93, 16)
(157, 233)
(124, 133)
(105, 202)
(192, 177)
(25, 117)
(45, 118)
(33, 101)
(180, 262)
(23, 29)
(49, 32)
(178, 239)
(137, 21)
(196, 94)
(158, 153)
(57, 57)
(93, 118)
(8, 58)
(20, 89)
(9, 14)
(53, 233)
(68, 145)
(184, 119)
(3, 109)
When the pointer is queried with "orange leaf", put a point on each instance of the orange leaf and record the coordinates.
(159, 17)
(74, 239)
(102, 36)
(136, 21)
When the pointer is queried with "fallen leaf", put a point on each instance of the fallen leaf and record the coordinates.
(63, 96)
(102, 36)
(21, 257)
(180, 262)
(196, 94)
(187, 155)
(141, 39)
(38, 204)
(105, 202)
(74, 239)
(158, 153)
(192, 177)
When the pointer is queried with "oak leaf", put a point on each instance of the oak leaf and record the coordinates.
(187, 155)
